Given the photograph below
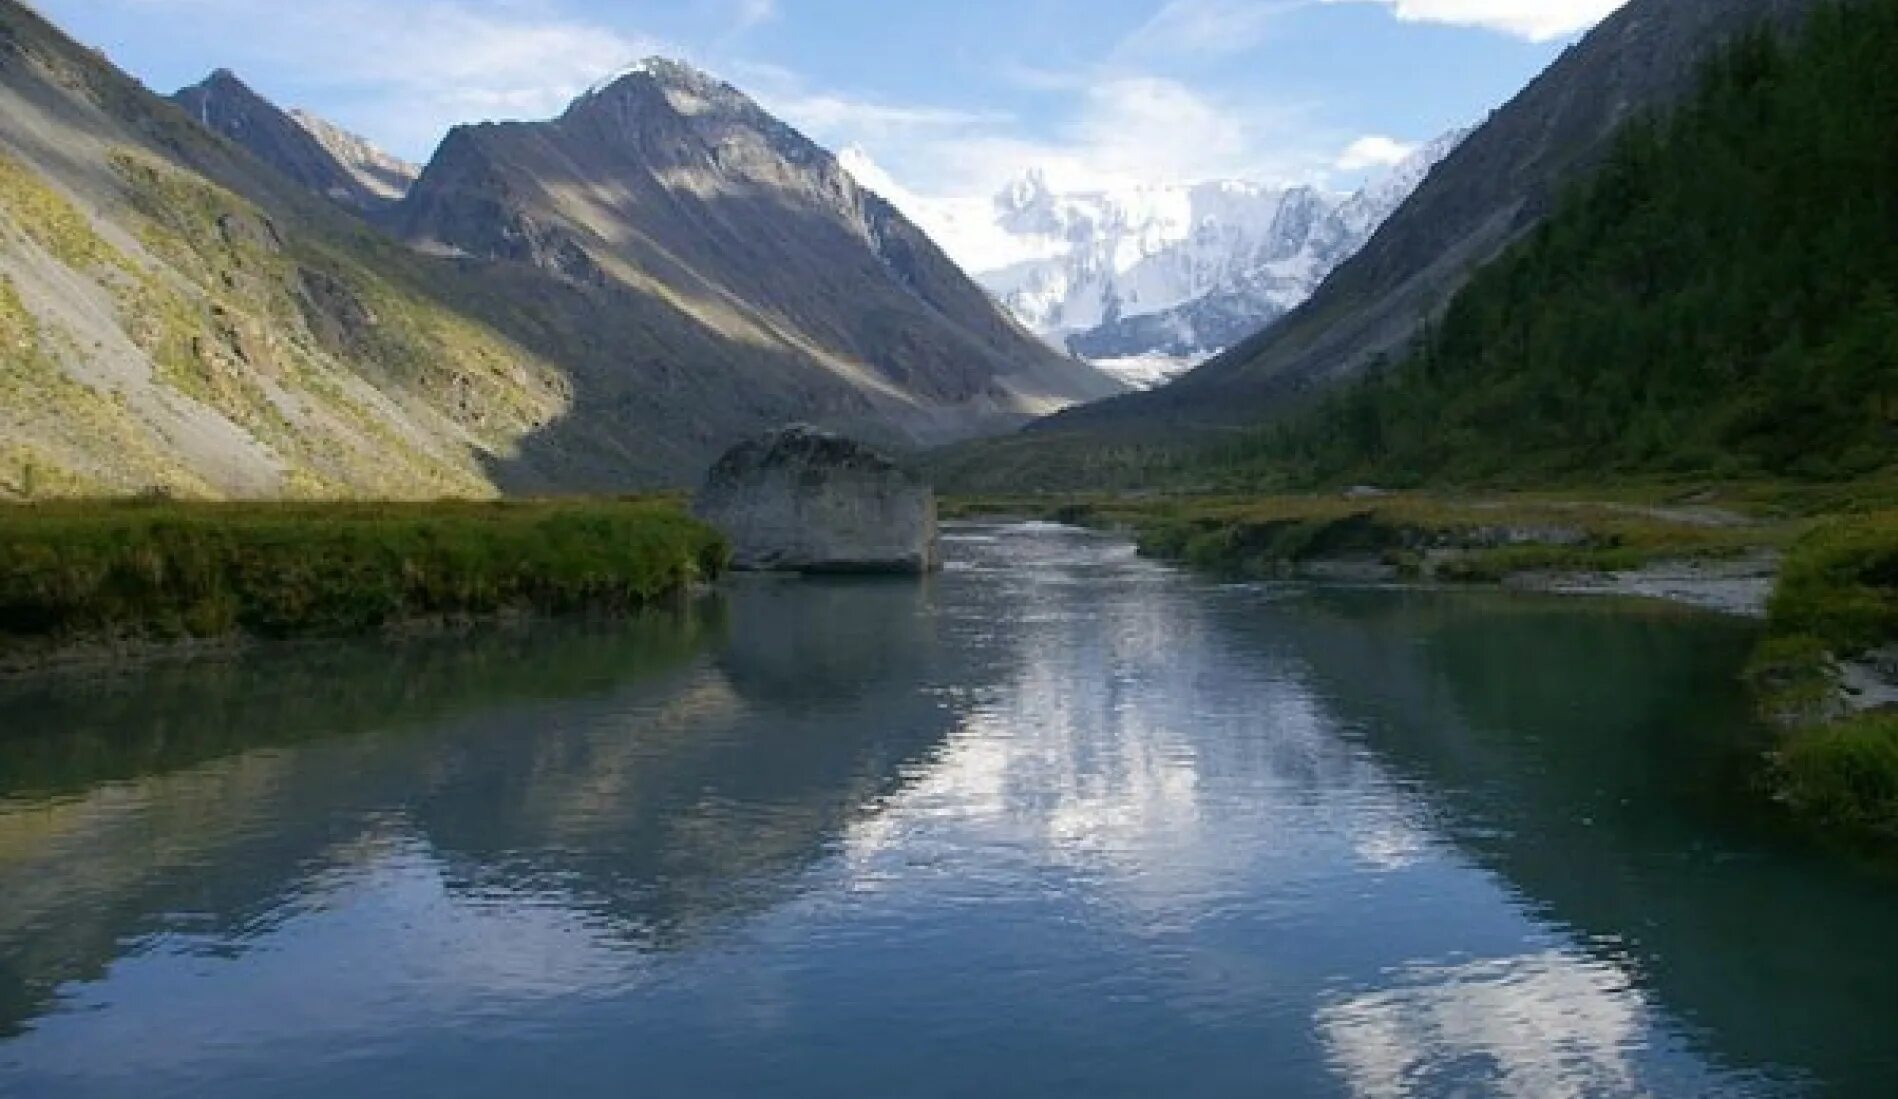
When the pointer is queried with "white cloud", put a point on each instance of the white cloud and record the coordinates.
(1111, 130)
(753, 12)
(1211, 28)
(1536, 20)
(1541, 1026)
(1202, 27)
(403, 73)
(1374, 151)
(868, 119)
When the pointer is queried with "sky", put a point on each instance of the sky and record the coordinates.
(952, 98)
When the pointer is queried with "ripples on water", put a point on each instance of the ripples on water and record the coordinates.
(1056, 822)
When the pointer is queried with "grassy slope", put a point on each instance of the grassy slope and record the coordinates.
(74, 573)
(216, 338)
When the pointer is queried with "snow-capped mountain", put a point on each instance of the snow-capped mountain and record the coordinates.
(1146, 281)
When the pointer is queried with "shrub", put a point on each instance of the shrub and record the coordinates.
(1844, 777)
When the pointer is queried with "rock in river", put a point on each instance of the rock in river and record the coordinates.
(805, 500)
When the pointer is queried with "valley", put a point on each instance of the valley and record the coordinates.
(215, 297)
(627, 598)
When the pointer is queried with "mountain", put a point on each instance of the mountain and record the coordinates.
(1110, 255)
(668, 182)
(1149, 280)
(1720, 299)
(182, 315)
(385, 176)
(1261, 278)
(180, 318)
(1497, 186)
(322, 157)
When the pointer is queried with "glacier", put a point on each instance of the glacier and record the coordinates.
(1147, 281)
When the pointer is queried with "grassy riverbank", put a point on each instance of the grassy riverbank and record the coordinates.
(1835, 613)
(1833, 608)
(76, 575)
(1411, 535)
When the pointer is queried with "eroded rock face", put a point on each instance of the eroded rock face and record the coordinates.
(805, 500)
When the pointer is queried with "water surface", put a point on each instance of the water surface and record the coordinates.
(1056, 822)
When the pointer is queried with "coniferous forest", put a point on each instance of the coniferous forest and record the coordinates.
(1721, 298)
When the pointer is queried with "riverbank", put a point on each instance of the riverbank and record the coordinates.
(96, 580)
(1710, 556)
(1827, 670)
(1823, 582)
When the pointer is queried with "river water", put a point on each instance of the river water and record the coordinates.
(1057, 822)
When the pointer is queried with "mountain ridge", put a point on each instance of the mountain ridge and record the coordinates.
(383, 173)
(315, 154)
(666, 169)
(1154, 278)
(1495, 187)
(190, 319)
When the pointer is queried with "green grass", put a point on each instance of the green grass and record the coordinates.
(1837, 600)
(52, 221)
(1840, 585)
(73, 573)
(1482, 540)
(1843, 778)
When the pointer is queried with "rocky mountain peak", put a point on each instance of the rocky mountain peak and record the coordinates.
(671, 72)
(673, 113)
(222, 99)
(662, 81)
(384, 175)
(314, 154)
(664, 173)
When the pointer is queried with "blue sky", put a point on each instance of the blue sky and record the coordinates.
(951, 97)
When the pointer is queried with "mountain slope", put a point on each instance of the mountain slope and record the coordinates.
(178, 315)
(1494, 188)
(342, 168)
(1722, 298)
(670, 183)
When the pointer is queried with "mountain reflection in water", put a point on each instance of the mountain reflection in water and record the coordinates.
(1057, 821)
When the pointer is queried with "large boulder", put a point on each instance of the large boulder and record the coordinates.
(805, 500)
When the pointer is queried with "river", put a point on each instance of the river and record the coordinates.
(1056, 822)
